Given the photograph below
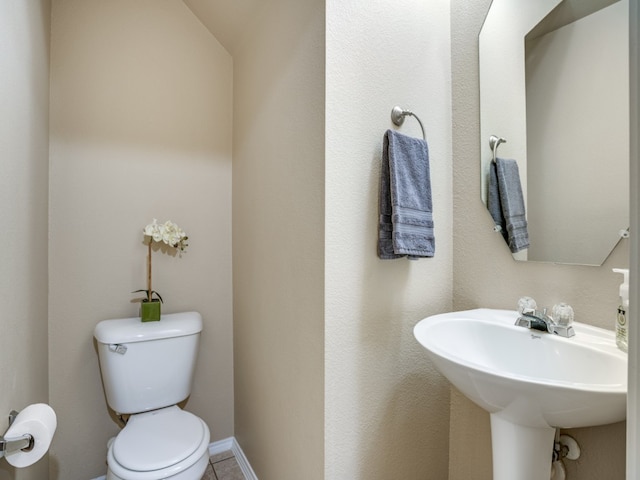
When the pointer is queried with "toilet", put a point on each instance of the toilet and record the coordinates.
(147, 369)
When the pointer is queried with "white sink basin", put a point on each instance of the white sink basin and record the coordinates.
(529, 381)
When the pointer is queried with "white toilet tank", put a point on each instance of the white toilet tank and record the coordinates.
(148, 365)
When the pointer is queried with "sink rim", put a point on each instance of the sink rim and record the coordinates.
(587, 337)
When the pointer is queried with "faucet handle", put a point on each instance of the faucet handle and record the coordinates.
(526, 305)
(562, 314)
(563, 317)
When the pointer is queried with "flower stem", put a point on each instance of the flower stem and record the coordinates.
(149, 274)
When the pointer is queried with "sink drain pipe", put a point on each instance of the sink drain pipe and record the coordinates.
(557, 470)
(564, 446)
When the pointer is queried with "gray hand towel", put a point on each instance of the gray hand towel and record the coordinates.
(493, 202)
(505, 189)
(406, 219)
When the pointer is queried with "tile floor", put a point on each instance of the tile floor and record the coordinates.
(223, 466)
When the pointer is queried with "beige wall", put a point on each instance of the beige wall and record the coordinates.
(140, 128)
(387, 408)
(24, 144)
(278, 182)
(486, 275)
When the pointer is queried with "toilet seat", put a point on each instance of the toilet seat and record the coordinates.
(158, 444)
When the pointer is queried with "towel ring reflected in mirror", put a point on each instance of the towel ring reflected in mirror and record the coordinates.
(494, 142)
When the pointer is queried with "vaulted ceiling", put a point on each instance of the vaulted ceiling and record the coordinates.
(227, 20)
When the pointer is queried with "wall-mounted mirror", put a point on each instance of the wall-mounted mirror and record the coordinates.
(554, 82)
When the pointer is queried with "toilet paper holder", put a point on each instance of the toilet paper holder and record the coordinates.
(8, 445)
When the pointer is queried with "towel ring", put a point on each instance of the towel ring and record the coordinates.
(397, 117)
(494, 141)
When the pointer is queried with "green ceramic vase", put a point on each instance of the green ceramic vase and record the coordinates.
(150, 311)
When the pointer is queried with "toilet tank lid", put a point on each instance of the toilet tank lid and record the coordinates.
(131, 330)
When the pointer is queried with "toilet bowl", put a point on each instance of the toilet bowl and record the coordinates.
(169, 443)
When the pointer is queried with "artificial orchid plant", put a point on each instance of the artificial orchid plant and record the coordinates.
(168, 233)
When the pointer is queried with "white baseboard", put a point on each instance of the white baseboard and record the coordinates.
(243, 463)
(232, 444)
(222, 446)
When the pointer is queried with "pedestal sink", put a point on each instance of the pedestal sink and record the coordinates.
(529, 381)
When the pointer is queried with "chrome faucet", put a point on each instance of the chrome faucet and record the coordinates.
(535, 319)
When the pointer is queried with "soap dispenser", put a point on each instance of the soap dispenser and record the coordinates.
(621, 319)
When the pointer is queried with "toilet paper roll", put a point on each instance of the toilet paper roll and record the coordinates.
(39, 421)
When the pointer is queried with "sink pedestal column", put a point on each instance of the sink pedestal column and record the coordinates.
(520, 452)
